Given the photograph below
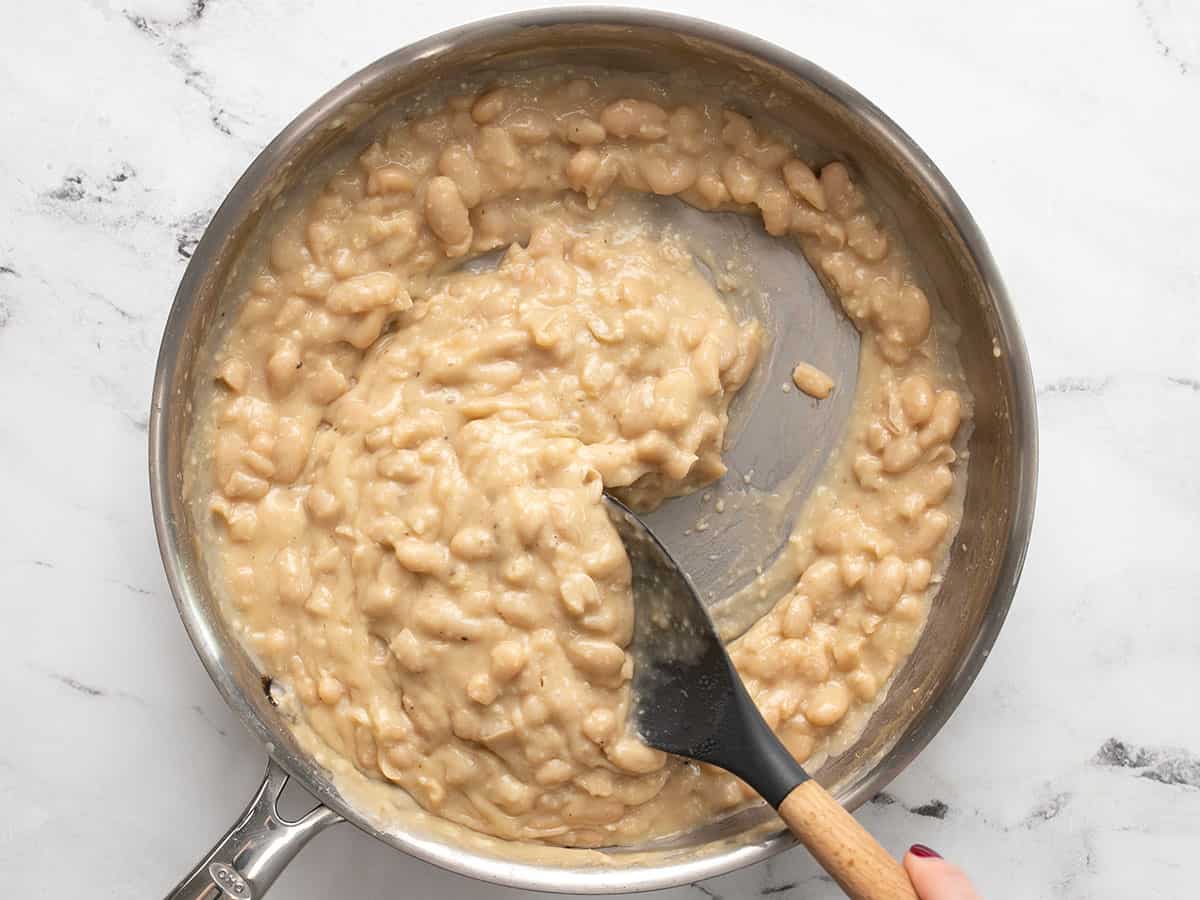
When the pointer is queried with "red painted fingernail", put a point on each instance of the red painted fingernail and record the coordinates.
(924, 852)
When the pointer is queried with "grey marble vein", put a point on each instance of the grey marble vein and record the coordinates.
(78, 686)
(1047, 810)
(1153, 13)
(931, 809)
(115, 201)
(131, 588)
(1096, 385)
(189, 230)
(1168, 766)
(1076, 384)
(199, 710)
(7, 273)
(164, 32)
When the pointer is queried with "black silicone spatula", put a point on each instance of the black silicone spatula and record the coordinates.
(688, 700)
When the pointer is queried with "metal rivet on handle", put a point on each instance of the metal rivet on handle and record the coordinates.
(230, 880)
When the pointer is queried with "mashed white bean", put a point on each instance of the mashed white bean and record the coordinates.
(403, 462)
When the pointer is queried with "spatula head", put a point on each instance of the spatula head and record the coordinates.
(687, 697)
(778, 439)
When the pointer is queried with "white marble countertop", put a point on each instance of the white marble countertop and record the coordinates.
(1072, 130)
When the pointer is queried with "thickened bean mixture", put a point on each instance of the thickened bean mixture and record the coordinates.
(400, 465)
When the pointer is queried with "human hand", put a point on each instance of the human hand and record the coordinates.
(935, 879)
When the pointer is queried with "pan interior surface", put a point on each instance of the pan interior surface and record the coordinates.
(968, 611)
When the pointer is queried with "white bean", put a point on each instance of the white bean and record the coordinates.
(812, 380)
(635, 118)
(827, 704)
(803, 183)
(885, 583)
(447, 215)
(944, 421)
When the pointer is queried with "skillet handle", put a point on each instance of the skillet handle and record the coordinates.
(248, 859)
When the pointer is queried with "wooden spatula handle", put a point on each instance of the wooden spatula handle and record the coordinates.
(843, 847)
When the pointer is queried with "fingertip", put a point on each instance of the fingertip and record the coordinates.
(935, 879)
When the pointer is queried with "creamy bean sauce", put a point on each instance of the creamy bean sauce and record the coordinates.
(401, 462)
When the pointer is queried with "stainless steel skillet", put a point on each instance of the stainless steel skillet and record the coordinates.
(960, 271)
